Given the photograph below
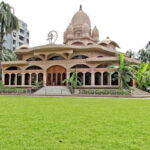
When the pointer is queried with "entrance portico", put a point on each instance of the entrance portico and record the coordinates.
(56, 75)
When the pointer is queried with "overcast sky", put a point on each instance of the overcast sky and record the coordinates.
(125, 21)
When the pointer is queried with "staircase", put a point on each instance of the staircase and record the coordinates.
(53, 90)
(140, 93)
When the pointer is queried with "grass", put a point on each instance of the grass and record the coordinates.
(44, 123)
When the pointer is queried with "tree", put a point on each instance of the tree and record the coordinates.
(144, 55)
(8, 55)
(8, 23)
(72, 80)
(125, 72)
(143, 75)
(130, 53)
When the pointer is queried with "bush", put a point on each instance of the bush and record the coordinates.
(105, 92)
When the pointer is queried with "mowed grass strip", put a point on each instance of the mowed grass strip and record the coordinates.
(50, 123)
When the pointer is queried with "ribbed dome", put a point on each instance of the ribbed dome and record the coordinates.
(86, 27)
(108, 41)
(80, 18)
(70, 28)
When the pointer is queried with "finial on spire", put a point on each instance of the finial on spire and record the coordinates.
(80, 7)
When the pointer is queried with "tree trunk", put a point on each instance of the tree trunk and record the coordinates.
(1, 47)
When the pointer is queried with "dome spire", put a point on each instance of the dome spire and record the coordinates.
(80, 7)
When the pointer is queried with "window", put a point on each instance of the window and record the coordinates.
(28, 41)
(21, 31)
(14, 34)
(27, 34)
(14, 42)
(21, 38)
(20, 44)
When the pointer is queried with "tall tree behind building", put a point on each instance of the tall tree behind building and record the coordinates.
(8, 23)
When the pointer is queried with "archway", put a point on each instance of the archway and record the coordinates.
(56, 75)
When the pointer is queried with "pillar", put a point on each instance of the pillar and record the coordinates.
(44, 77)
(93, 78)
(102, 78)
(83, 78)
(9, 79)
(3, 78)
(23, 79)
(67, 77)
(37, 77)
(15, 78)
(109, 78)
(30, 80)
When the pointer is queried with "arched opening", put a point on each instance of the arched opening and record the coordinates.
(90, 44)
(6, 79)
(63, 78)
(78, 43)
(79, 66)
(56, 58)
(79, 57)
(49, 79)
(33, 79)
(114, 79)
(33, 68)
(54, 79)
(13, 68)
(131, 83)
(19, 79)
(87, 78)
(56, 75)
(97, 78)
(80, 78)
(103, 65)
(59, 79)
(40, 77)
(13, 79)
(27, 79)
(34, 59)
(105, 78)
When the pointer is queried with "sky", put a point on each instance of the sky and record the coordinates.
(127, 22)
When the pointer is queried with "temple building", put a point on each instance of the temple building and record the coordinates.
(52, 63)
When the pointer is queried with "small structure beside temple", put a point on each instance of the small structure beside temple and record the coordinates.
(52, 63)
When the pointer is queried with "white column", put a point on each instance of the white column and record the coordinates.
(67, 77)
(30, 80)
(23, 79)
(93, 78)
(3, 78)
(44, 77)
(37, 78)
(15, 78)
(9, 79)
(83, 78)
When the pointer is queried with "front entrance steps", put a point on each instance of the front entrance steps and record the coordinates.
(53, 90)
(140, 93)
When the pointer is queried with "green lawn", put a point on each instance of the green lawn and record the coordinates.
(44, 123)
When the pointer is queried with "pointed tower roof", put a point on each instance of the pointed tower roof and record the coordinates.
(80, 18)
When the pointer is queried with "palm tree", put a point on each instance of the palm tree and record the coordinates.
(8, 55)
(125, 72)
(143, 55)
(72, 80)
(143, 75)
(130, 53)
(8, 23)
